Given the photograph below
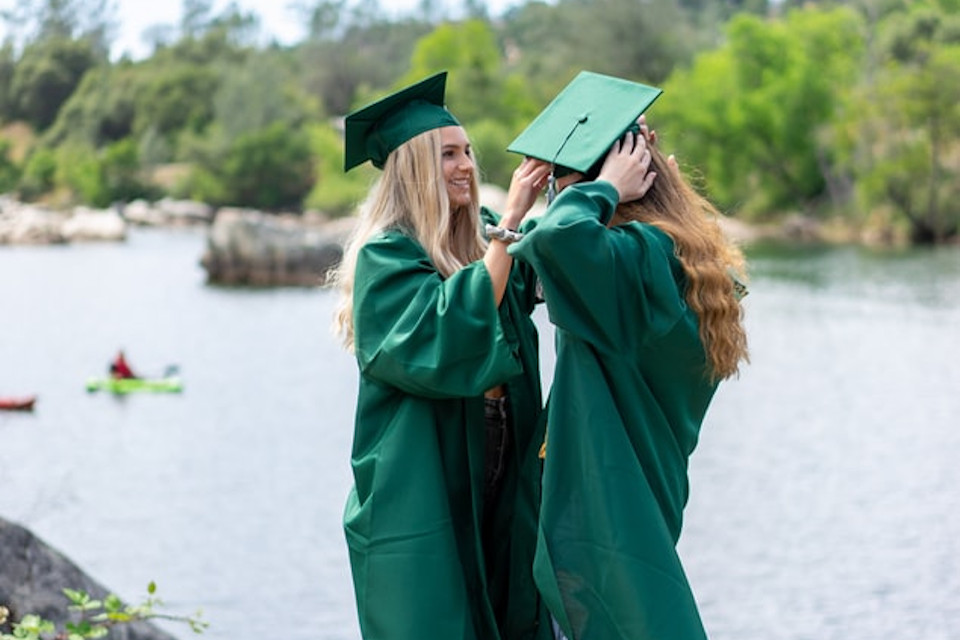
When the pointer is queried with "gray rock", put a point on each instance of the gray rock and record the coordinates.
(185, 211)
(247, 247)
(144, 214)
(167, 212)
(33, 576)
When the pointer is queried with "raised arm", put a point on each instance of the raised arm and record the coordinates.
(424, 334)
(528, 180)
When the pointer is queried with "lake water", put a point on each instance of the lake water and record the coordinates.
(825, 492)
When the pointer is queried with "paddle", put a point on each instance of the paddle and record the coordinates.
(169, 371)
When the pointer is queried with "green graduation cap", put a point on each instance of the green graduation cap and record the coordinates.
(377, 129)
(579, 126)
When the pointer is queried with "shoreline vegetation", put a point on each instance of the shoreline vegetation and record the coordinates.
(249, 247)
(32, 590)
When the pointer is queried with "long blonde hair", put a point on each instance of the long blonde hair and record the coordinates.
(709, 260)
(411, 195)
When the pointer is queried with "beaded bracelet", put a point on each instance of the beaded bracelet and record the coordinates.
(503, 235)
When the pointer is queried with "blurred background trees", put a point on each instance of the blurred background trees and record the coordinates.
(844, 110)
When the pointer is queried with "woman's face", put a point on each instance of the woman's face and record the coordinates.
(458, 166)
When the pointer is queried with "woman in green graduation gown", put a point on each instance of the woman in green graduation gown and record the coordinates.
(637, 279)
(441, 520)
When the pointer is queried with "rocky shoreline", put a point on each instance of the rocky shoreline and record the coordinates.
(246, 247)
(34, 224)
(32, 580)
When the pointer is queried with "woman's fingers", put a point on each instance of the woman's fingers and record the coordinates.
(647, 183)
(627, 167)
(650, 135)
(529, 179)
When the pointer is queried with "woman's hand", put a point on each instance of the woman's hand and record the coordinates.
(649, 134)
(627, 167)
(528, 181)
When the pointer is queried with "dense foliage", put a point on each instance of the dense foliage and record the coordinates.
(843, 110)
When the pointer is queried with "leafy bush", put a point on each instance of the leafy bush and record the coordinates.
(47, 73)
(95, 618)
(9, 172)
(490, 139)
(202, 185)
(80, 173)
(336, 193)
(38, 174)
(121, 172)
(269, 169)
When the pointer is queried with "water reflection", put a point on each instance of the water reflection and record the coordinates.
(929, 277)
(824, 492)
(824, 501)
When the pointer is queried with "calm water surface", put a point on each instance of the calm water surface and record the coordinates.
(824, 502)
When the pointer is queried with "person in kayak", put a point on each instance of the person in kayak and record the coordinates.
(643, 289)
(441, 520)
(120, 369)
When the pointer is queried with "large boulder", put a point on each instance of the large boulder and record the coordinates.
(247, 247)
(33, 576)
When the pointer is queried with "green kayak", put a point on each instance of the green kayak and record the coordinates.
(171, 384)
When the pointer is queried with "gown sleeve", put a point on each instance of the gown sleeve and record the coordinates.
(424, 334)
(607, 286)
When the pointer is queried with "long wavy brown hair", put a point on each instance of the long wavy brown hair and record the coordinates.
(710, 260)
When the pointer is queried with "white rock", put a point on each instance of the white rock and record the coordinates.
(94, 225)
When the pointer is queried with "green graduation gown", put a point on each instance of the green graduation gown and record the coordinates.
(624, 413)
(427, 348)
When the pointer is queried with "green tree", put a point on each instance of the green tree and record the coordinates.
(257, 105)
(259, 92)
(900, 139)
(33, 21)
(46, 75)
(79, 175)
(38, 174)
(123, 180)
(550, 44)
(102, 109)
(334, 192)
(492, 105)
(9, 172)
(196, 17)
(534, 40)
(469, 51)
(748, 115)
(351, 50)
(8, 66)
(269, 169)
(178, 96)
